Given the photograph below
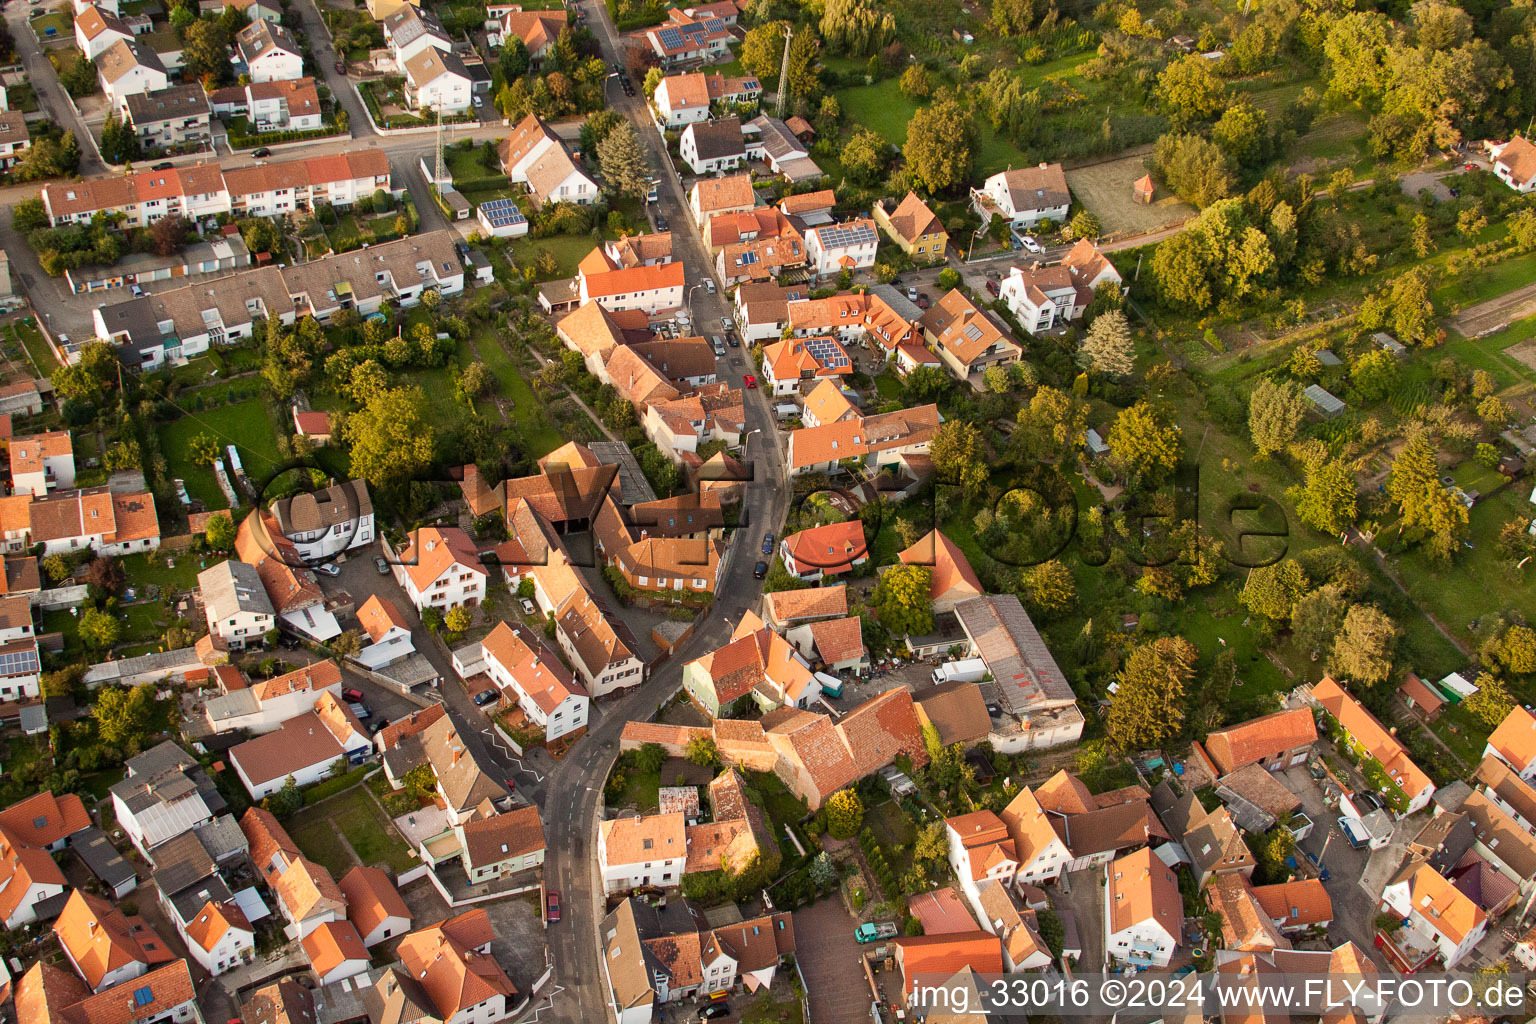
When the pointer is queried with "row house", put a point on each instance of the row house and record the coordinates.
(198, 901)
(307, 896)
(762, 309)
(721, 195)
(667, 568)
(1143, 911)
(681, 426)
(1367, 737)
(93, 518)
(48, 995)
(207, 190)
(854, 318)
(1439, 920)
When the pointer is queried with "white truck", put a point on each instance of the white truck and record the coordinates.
(965, 670)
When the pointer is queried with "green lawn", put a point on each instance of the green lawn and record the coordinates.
(639, 792)
(32, 340)
(372, 836)
(318, 841)
(244, 424)
(895, 831)
(534, 431)
(152, 568)
(569, 250)
(55, 21)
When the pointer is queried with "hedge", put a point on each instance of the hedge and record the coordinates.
(269, 138)
(339, 784)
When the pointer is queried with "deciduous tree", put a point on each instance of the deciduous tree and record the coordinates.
(1275, 412)
(1144, 443)
(1190, 92)
(902, 600)
(392, 437)
(1366, 643)
(1492, 702)
(1327, 500)
(1049, 589)
(1272, 590)
(940, 141)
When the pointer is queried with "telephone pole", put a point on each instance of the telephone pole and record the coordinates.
(789, 33)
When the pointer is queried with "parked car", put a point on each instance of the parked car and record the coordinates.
(1030, 244)
(1365, 802)
(992, 287)
(760, 570)
(768, 543)
(163, 165)
(381, 565)
(911, 294)
(328, 569)
(352, 695)
(923, 301)
(709, 285)
(288, 643)
(341, 67)
(661, 223)
(717, 345)
(553, 902)
(714, 1011)
(484, 697)
(750, 381)
(730, 339)
(528, 608)
(261, 153)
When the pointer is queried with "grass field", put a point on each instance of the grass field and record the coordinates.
(318, 841)
(358, 818)
(1105, 190)
(569, 250)
(244, 425)
(534, 430)
(32, 340)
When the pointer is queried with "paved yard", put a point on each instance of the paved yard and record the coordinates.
(1084, 897)
(830, 960)
(519, 943)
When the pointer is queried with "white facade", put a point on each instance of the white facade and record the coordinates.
(276, 66)
(1149, 941)
(671, 113)
(1425, 928)
(271, 713)
(1514, 163)
(1039, 305)
(688, 150)
(828, 253)
(26, 911)
(327, 541)
(274, 112)
(138, 79)
(666, 872)
(387, 649)
(569, 715)
(1024, 214)
(235, 947)
(457, 584)
(447, 93)
(103, 39)
(306, 776)
(243, 627)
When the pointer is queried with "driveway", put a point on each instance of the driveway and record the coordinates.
(1083, 895)
(830, 959)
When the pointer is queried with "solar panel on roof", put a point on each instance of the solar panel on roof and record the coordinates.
(15, 663)
(842, 236)
(972, 331)
(670, 37)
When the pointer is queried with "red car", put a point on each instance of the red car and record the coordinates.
(992, 287)
(923, 301)
(1469, 167)
(553, 898)
(749, 380)
(352, 695)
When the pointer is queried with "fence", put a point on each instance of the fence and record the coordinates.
(507, 738)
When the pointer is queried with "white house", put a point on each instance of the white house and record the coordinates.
(1041, 853)
(307, 896)
(218, 935)
(388, 632)
(335, 951)
(653, 288)
(1514, 743)
(642, 850)
(410, 30)
(521, 666)
(166, 792)
(439, 81)
(1435, 913)
(324, 523)
(534, 156)
(440, 569)
(832, 248)
(235, 603)
(712, 147)
(97, 29)
(292, 106)
(266, 705)
(104, 945)
(1143, 911)
(14, 141)
(374, 905)
(128, 67)
(980, 850)
(42, 462)
(268, 52)
(1025, 195)
(1514, 163)
(1023, 948)
(306, 748)
(30, 876)
(441, 959)
(20, 669)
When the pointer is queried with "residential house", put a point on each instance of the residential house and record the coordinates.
(451, 963)
(105, 946)
(374, 905)
(913, 227)
(787, 363)
(199, 903)
(440, 569)
(30, 883)
(1514, 163)
(640, 250)
(235, 603)
(41, 463)
(539, 30)
(898, 439)
(501, 845)
(721, 195)
(335, 951)
(1023, 948)
(1512, 794)
(684, 99)
(322, 524)
(173, 116)
(1296, 906)
(1041, 853)
(166, 995)
(772, 141)
(837, 643)
(268, 52)
(307, 895)
(757, 663)
(306, 749)
(827, 403)
(981, 850)
(678, 569)
(1209, 838)
(967, 339)
(1246, 926)
(534, 156)
(14, 141)
(652, 288)
(1024, 196)
(783, 609)
(1501, 841)
(463, 786)
(871, 318)
(1143, 911)
(952, 578)
(165, 793)
(409, 30)
(266, 705)
(957, 711)
(97, 28)
(438, 80)
(1438, 919)
(822, 551)
(1274, 742)
(389, 635)
(682, 38)
(681, 426)
(754, 245)
(712, 147)
(942, 956)
(20, 667)
(128, 67)
(1514, 743)
(95, 518)
(1367, 737)
(833, 248)
(286, 106)
(522, 667)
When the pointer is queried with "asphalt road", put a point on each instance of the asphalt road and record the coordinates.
(50, 93)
